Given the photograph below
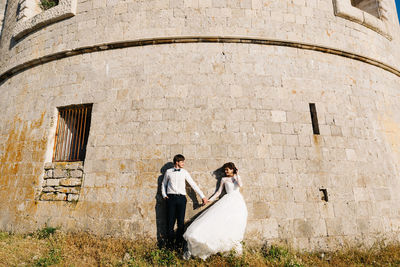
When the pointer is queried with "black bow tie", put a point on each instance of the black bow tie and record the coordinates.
(177, 170)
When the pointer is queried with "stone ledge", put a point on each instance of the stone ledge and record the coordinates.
(344, 9)
(193, 39)
(78, 165)
(64, 9)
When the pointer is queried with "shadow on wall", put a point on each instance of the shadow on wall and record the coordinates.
(161, 207)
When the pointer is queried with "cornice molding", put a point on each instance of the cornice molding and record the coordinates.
(181, 40)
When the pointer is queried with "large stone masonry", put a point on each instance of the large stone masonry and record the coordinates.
(62, 181)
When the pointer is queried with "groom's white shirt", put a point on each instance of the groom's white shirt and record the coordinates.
(174, 183)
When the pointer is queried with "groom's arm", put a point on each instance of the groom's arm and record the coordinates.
(192, 183)
(164, 186)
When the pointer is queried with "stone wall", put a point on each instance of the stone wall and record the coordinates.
(2, 10)
(221, 102)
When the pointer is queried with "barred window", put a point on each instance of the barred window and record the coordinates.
(72, 133)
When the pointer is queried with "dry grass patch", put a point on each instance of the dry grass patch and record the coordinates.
(50, 247)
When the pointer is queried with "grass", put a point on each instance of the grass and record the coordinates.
(51, 247)
(47, 4)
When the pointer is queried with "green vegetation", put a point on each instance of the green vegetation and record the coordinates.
(51, 247)
(53, 257)
(47, 4)
(45, 232)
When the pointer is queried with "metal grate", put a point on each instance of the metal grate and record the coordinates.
(72, 133)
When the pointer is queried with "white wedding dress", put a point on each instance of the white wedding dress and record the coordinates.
(221, 227)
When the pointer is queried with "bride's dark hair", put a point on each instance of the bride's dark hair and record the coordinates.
(231, 166)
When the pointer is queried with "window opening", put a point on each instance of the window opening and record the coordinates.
(369, 6)
(314, 118)
(324, 193)
(72, 133)
(47, 4)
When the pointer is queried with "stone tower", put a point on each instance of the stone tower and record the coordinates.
(303, 95)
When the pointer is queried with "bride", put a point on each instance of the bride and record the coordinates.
(221, 227)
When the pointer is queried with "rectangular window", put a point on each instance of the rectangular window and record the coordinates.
(72, 133)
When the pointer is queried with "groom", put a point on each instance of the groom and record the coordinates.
(174, 192)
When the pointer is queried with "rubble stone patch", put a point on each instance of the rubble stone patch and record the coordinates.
(62, 181)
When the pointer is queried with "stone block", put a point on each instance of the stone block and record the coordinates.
(48, 174)
(351, 154)
(364, 209)
(283, 194)
(269, 228)
(53, 197)
(302, 228)
(52, 182)
(311, 210)
(261, 210)
(334, 226)
(278, 116)
(73, 197)
(67, 190)
(326, 210)
(60, 173)
(294, 210)
(381, 194)
(361, 194)
(70, 182)
(299, 194)
(48, 165)
(69, 165)
(344, 209)
(76, 174)
(286, 229)
(47, 189)
(349, 226)
(278, 210)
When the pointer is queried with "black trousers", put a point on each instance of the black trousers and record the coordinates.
(176, 208)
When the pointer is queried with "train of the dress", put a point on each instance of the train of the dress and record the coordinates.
(220, 228)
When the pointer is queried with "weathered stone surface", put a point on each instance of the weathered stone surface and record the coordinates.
(60, 173)
(76, 174)
(53, 197)
(48, 174)
(48, 165)
(52, 182)
(70, 182)
(48, 189)
(214, 99)
(67, 190)
(73, 197)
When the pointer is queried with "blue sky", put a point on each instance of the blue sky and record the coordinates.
(398, 8)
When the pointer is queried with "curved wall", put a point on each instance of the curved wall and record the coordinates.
(95, 22)
(213, 102)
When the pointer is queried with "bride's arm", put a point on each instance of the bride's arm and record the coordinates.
(216, 194)
(238, 180)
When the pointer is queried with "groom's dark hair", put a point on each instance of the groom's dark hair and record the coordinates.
(178, 157)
